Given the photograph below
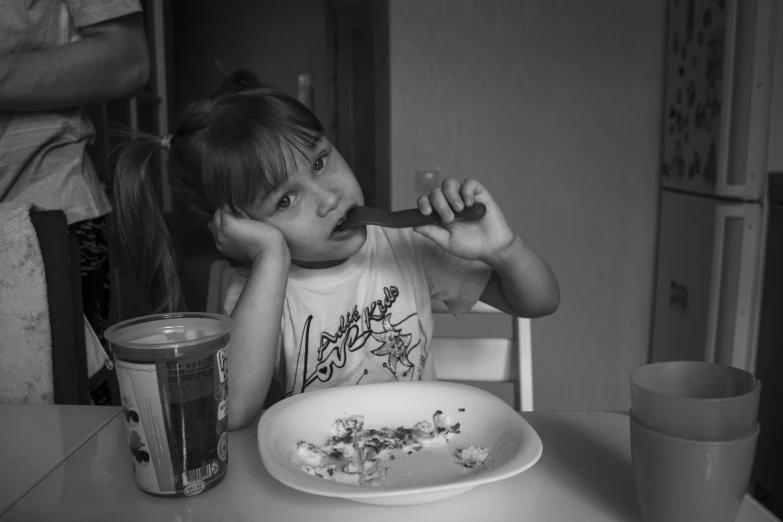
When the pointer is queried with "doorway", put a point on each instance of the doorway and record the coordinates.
(332, 53)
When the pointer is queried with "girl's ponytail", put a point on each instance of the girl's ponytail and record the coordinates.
(143, 232)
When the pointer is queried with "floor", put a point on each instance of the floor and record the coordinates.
(773, 504)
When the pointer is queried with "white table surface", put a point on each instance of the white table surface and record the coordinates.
(583, 475)
(35, 439)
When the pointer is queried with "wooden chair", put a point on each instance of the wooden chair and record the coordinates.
(506, 359)
(62, 268)
(60, 253)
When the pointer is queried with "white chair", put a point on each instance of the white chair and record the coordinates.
(220, 272)
(502, 359)
(488, 359)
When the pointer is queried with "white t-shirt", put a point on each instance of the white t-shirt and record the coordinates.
(369, 319)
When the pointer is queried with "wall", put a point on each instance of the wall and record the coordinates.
(555, 105)
(276, 39)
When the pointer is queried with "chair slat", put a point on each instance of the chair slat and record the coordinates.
(473, 360)
(487, 359)
(479, 308)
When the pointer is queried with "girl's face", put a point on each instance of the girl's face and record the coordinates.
(319, 192)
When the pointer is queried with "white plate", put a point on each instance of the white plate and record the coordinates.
(426, 476)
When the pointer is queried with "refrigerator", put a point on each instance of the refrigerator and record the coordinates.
(718, 283)
(720, 61)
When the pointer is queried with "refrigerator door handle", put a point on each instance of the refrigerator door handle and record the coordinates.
(730, 314)
(744, 122)
(727, 87)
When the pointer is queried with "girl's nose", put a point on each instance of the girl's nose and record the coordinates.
(329, 199)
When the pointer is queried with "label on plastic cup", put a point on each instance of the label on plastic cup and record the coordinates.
(170, 458)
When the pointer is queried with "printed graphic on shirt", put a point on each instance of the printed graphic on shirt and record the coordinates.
(374, 345)
(395, 345)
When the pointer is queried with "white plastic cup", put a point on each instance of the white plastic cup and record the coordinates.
(696, 400)
(681, 480)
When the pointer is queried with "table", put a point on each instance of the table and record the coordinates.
(35, 439)
(584, 475)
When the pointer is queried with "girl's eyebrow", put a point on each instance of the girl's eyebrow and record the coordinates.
(318, 148)
(276, 186)
(313, 152)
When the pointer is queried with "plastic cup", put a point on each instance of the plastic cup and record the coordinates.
(173, 381)
(681, 480)
(696, 400)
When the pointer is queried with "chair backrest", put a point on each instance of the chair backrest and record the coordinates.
(505, 359)
(60, 253)
(488, 359)
(220, 272)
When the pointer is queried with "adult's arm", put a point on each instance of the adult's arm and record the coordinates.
(110, 61)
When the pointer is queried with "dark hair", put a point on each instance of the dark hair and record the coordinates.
(229, 148)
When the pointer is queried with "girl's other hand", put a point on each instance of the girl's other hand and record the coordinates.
(244, 239)
(479, 240)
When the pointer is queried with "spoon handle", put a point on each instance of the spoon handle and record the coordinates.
(414, 217)
(407, 218)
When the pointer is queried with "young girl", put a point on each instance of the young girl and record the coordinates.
(314, 306)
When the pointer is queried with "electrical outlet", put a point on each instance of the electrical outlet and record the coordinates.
(427, 179)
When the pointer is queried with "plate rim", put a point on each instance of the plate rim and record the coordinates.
(352, 491)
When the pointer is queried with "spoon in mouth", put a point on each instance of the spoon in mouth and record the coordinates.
(358, 216)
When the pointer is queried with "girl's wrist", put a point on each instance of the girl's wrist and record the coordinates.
(506, 255)
(274, 253)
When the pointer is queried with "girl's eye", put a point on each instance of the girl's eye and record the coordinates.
(284, 202)
(319, 163)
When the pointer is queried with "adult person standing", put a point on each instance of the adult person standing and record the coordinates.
(56, 56)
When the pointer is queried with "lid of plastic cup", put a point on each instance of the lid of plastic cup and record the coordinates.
(124, 337)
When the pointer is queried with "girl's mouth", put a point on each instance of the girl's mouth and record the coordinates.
(342, 220)
(337, 231)
(342, 235)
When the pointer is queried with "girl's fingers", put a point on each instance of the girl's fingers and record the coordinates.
(425, 207)
(441, 205)
(470, 188)
(451, 190)
(439, 235)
